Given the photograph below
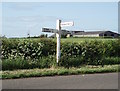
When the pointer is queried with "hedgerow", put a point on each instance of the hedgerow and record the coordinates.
(20, 53)
(27, 49)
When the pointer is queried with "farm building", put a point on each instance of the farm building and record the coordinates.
(97, 34)
(88, 34)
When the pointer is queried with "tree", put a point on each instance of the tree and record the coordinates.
(43, 36)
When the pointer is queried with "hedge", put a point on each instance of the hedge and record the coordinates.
(27, 51)
(36, 48)
(19, 63)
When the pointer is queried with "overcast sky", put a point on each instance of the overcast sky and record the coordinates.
(18, 19)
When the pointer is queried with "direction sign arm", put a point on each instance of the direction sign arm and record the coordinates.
(49, 30)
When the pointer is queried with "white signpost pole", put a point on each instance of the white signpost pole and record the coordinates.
(58, 35)
(59, 24)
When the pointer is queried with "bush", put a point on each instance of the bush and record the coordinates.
(92, 53)
(73, 61)
(89, 53)
(111, 48)
(27, 49)
(111, 60)
(19, 63)
(35, 48)
(47, 62)
(71, 49)
(32, 53)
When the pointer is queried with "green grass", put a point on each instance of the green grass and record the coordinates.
(79, 40)
(73, 39)
(58, 71)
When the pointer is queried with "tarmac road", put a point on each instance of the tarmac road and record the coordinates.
(88, 81)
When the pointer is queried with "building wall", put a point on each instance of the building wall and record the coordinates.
(90, 35)
(106, 34)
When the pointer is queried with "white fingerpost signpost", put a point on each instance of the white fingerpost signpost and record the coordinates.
(58, 35)
(59, 24)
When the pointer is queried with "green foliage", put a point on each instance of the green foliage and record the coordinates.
(40, 53)
(19, 63)
(43, 36)
(111, 48)
(71, 49)
(111, 60)
(89, 52)
(92, 53)
(73, 61)
(27, 49)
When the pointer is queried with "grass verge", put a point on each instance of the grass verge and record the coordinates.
(58, 71)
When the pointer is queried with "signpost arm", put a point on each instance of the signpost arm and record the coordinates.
(58, 35)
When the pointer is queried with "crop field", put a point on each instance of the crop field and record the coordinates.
(72, 40)
(76, 40)
(85, 39)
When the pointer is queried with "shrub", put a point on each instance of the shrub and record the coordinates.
(92, 53)
(19, 63)
(72, 61)
(27, 49)
(111, 48)
(40, 53)
(71, 49)
(111, 60)
(35, 48)
(47, 62)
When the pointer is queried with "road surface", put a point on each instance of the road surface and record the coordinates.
(88, 81)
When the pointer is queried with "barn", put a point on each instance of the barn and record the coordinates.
(96, 34)
(88, 34)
